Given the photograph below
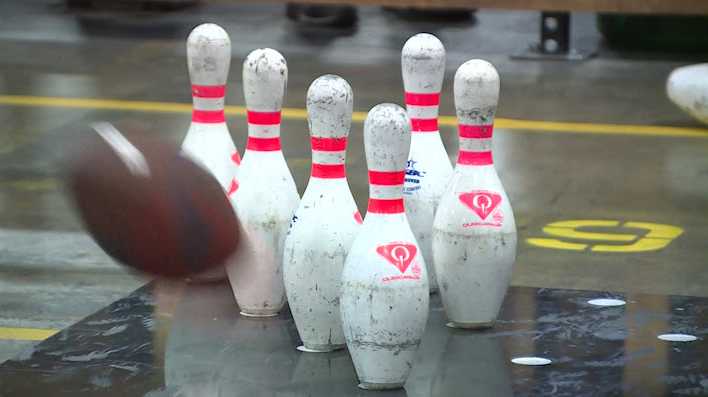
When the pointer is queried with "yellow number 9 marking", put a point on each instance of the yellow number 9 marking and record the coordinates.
(657, 236)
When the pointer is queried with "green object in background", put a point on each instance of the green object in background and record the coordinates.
(669, 33)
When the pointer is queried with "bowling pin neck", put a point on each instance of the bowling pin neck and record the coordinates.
(423, 71)
(475, 145)
(328, 156)
(386, 193)
(208, 104)
(423, 112)
(263, 131)
(208, 61)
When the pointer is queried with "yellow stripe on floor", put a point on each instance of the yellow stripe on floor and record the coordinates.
(301, 114)
(26, 333)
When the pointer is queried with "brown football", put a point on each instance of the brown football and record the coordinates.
(150, 207)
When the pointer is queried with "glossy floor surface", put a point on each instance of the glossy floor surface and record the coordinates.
(640, 192)
(176, 340)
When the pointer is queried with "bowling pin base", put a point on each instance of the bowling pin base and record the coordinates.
(258, 315)
(465, 325)
(320, 349)
(380, 386)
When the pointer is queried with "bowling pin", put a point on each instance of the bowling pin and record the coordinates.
(208, 140)
(474, 234)
(385, 294)
(267, 197)
(325, 224)
(429, 169)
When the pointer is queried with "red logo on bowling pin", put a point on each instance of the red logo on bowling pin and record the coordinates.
(399, 254)
(481, 202)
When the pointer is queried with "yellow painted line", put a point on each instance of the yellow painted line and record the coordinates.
(26, 333)
(578, 235)
(301, 114)
(575, 223)
(606, 129)
(642, 245)
(567, 229)
(38, 185)
(556, 244)
(657, 230)
(87, 103)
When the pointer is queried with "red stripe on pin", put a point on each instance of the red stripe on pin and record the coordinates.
(416, 99)
(385, 206)
(328, 171)
(208, 116)
(263, 144)
(474, 158)
(263, 118)
(328, 144)
(475, 131)
(208, 91)
(424, 125)
(386, 178)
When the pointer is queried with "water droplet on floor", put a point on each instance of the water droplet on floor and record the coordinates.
(530, 361)
(677, 337)
(607, 302)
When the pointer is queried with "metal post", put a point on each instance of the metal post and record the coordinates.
(555, 33)
(554, 41)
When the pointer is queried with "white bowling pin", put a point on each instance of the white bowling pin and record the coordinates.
(429, 169)
(267, 196)
(325, 224)
(474, 234)
(385, 297)
(208, 140)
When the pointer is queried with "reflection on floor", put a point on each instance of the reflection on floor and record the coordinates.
(179, 340)
(52, 275)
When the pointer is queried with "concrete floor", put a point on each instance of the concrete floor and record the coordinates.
(51, 274)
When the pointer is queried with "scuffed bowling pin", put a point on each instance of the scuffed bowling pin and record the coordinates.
(208, 140)
(474, 234)
(429, 169)
(385, 293)
(267, 196)
(325, 224)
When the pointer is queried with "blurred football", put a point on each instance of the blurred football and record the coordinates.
(150, 207)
